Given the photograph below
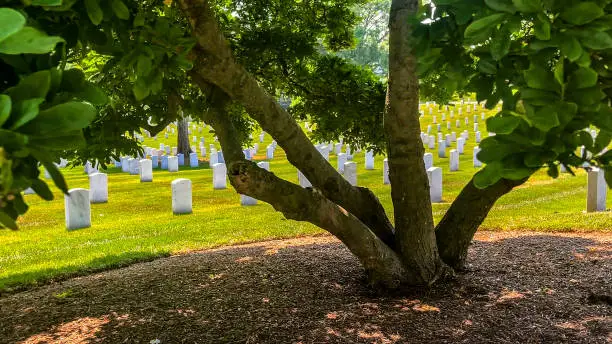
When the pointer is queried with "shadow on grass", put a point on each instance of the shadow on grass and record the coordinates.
(48, 275)
(524, 289)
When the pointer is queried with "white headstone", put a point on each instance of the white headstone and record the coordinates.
(133, 166)
(596, 190)
(428, 160)
(146, 171)
(369, 160)
(477, 137)
(219, 176)
(304, 182)
(181, 196)
(350, 172)
(270, 152)
(434, 175)
(460, 145)
(98, 186)
(432, 142)
(265, 165)
(454, 160)
(441, 149)
(341, 161)
(214, 157)
(386, 180)
(477, 163)
(193, 160)
(77, 209)
(173, 165)
(338, 148)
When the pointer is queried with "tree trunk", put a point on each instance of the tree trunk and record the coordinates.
(182, 141)
(414, 227)
(455, 231)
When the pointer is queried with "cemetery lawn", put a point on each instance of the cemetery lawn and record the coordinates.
(137, 223)
(520, 288)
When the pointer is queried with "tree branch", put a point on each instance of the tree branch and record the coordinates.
(455, 231)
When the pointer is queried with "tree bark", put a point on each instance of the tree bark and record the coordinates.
(455, 231)
(182, 141)
(414, 226)
(214, 63)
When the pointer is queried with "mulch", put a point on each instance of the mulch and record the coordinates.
(519, 288)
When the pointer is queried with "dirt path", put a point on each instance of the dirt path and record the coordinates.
(522, 288)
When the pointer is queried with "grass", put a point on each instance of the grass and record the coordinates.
(137, 223)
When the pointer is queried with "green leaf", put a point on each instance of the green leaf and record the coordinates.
(55, 173)
(94, 12)
(559, 72)
(597, 40)
(608, 176)
(139, 20)
(487, 66)
(516, 173)
(46, 2)
(583, 78)
(12, 139)
(545, 118)
(488, 176)
(29, 41)
(42, 189)
(481, 29)
(571, 48)
(35, 85)
(62, 142)
(540, 78)
(93, 94)
(7, 221)
(528, 6)
(5, 108)
(587, 96)
(19, 204)
(11, 22)
(603, 119)
(501, 5)
(143, 66)
(602, 140)
(28, 110)
(582, 13)
(61, 118)
(120, 9)
(500, 43)
(141, 90)
(541, 27)
(503, 125)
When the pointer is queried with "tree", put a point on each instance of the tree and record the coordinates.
(182, 139)
(547, 61)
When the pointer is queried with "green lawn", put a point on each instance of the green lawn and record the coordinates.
(137, 223)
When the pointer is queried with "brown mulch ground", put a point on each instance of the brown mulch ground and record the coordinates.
(522, 288)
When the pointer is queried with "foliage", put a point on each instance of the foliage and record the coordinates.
(546, 60)
(43, 109)
(371, 34)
